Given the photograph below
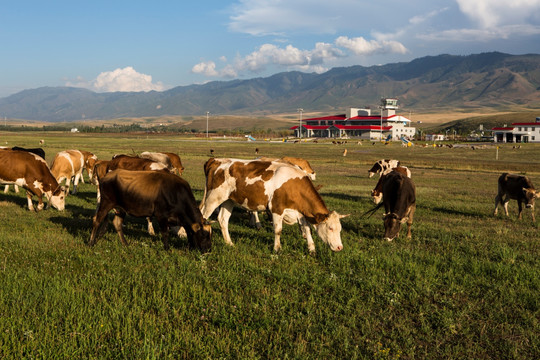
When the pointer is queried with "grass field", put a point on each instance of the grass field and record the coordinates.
(466, 286)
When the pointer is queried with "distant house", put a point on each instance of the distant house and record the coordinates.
(435, 137)
(359, 123)
(74, 130)
(518, 132)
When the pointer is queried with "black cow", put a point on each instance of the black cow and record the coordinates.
(517, 187)
(150, 193)
(37, 151)
(399, 199)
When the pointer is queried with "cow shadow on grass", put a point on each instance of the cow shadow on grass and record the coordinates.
(348, 197)
(18, 199)
(135, 229)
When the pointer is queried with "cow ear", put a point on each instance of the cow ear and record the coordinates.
(195, 227)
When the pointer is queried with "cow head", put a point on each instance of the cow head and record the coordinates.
(530, 196)
(58, 198)
(201, 236)
(376, 195)
(329, 230)
(392, 225)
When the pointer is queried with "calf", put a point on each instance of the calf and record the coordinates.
(382, 165)
(32, 173)
(171, 160)
(282, 188)
(376, 193)
(517, 187)
(399, 199)
(150, 193)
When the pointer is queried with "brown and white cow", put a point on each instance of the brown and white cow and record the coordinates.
(38, 151)
(171, 160)
(303, 164)
(68, 165)
(150, 193)
(399, 200)
(282, 188)
(382, 165)
(31, 172)
(516, 187)
(376, 193)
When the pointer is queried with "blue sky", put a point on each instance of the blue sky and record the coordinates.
(135, 45)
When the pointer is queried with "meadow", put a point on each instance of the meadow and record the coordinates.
(466, 286)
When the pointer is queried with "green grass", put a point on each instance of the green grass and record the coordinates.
(465, 286)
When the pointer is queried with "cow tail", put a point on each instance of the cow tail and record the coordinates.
(372, 211)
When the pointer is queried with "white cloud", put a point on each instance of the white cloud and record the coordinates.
(492, 13)
(207, 68)
(361, 46)
(126, 79)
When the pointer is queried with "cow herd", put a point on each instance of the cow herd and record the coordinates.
(150, 185)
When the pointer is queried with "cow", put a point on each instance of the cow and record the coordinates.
(257, 185)
(399, 200)
(172, 160)
(89, 163)
(132, 163)
(382, 165)
(516, 187)
(303, 164)
(376, 193)
(127, 162)
(37, 151)
(150, 193)
(68, 165)
(31, 172)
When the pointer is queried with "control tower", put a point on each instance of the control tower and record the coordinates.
(388, 107)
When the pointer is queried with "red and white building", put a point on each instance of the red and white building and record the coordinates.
(518, 133)
(359, 123)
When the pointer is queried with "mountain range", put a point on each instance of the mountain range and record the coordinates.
(494, 81)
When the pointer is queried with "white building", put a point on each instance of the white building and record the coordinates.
(359, 123)
(518, 133)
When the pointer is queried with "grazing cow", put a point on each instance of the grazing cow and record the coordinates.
(376, 193)
(258, 185)
(382, 165)
(89, 163)
(32, 173)
(399, 199)
(300, 163)
(68, 165)
(517, 187)
(171, 160)
(134, 163)
(150, 193)
(37, 151)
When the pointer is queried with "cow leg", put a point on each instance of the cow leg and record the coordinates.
(223, 218)
(254, 220)
(150, 226)
(410, 222)
(6, 189)
(16, 187)
(497, 201)
(164, 226)
(505, 201)
(118, 221)
(306, 233)
(278, 226)
(29, 199)
(68, 183)
(99, 223)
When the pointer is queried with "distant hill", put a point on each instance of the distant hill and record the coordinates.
(493, 81)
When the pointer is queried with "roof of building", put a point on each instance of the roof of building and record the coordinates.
(343, 117)
(503, 128)
(343, 127)
(527, 124)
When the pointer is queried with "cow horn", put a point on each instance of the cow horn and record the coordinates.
(343, 216)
